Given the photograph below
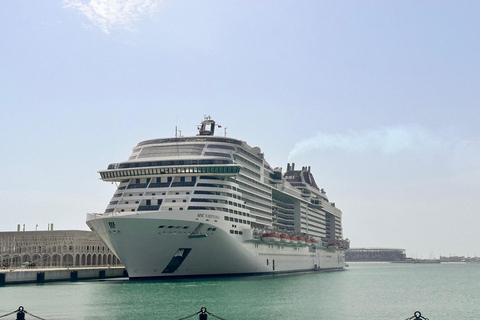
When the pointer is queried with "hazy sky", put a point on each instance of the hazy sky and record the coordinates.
(381, 98)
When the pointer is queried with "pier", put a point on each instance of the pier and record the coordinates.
(18, 276)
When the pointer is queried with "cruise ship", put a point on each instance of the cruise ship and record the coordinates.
(210, 205)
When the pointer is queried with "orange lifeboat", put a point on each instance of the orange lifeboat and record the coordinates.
(284, 238)
(334, 245)
(270, 237)
(293, 240)
(309, 242)
(301, 241)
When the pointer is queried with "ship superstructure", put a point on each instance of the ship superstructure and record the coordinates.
(212, 205)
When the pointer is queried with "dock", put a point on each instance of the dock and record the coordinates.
(34, 275)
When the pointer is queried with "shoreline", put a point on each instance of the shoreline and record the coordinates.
(41, 275)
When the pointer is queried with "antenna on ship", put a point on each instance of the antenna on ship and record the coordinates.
(178, 132)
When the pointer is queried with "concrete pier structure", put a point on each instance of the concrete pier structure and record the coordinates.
(59, 248)
(36, 275)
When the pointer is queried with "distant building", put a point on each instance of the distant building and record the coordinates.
(62, 248)
(460, 259)
(375, 254)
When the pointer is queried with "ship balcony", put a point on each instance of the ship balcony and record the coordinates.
(137, 186)
(149, 208)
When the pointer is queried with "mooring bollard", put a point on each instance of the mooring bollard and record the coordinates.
(203, 314)
(417, 315)
(21, 313)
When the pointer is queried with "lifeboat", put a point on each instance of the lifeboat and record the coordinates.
(293, 240)
(270, 237)
(338, 245)
(284, 238)
(301, 241)
(334, 245)
(309, 242)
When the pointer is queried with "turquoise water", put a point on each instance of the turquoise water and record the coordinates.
(363, 291)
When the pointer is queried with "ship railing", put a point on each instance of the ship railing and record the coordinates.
(96, 214)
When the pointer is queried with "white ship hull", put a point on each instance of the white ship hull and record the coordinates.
(148, 251)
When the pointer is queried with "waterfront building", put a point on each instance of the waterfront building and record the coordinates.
(59, 248)
(374, 254)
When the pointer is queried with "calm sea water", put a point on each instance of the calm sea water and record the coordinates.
(363, 291)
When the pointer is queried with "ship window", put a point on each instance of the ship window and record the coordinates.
(226, 218)
(185, 227)
(161, 227)
(123, 210)
(236, 232)
(209, 229)
(130, 195)
(170, 227)
(169, 209)
(184, 200)
(174, 200)
(181, 208)
(231, 231)
(240, 232)
(126, 202)
(236, 220)
(214, 229)
(267, 259)
(231, 219)
(133, 210)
